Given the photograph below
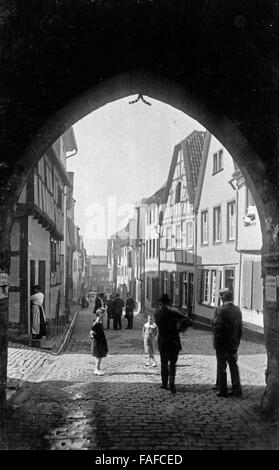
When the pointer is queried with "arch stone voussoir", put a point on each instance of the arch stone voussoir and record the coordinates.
(62, 60)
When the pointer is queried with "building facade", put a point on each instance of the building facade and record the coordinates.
(229, 241)
(217, 261)
(177, 255)
(249, 244)
(152, 239)
(37, 238)
(99, 280)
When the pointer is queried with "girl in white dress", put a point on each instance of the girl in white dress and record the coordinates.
(149, 333)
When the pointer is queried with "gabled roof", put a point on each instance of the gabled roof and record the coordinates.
(192, 150)
(202, 170)
(156, 197)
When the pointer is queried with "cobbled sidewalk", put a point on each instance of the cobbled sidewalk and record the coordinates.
(68, 407)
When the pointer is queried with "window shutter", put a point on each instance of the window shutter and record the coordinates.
(247, 284)
(257, 300)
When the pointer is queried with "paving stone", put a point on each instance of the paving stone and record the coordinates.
(69, 408)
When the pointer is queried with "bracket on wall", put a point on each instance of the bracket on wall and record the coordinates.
(140, 97)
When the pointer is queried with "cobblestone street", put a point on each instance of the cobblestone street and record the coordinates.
(63, 405)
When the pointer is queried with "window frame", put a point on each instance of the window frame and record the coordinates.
(178, 192)
(229, 225)
(203, 225)
(191, 231)
(218, 161)
(215, 239)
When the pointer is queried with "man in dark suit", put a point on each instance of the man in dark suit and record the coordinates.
(227, 327)
(169, 322)
(117, 306)
(129, 313)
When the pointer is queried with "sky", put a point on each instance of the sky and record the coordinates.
(124, 155)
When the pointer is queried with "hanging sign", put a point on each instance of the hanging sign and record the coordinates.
(270, 289)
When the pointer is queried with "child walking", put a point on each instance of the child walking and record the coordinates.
(100, 347)
(149, 333)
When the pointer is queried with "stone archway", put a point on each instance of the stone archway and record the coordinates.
(218, 62)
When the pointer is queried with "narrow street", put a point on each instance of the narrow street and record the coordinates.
(63, 405)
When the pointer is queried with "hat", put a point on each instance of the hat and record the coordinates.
(223, 290)
(226, 294)
(165, 299)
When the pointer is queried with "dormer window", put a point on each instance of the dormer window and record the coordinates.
(218, 161)
(178, 193)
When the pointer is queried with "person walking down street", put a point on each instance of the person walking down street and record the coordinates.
(38, 314)
(149, 333)
(227, 328)
(98, 302)
(109, 311)
(129, 313)
(117, 306)
(99, 347)
(170, 323)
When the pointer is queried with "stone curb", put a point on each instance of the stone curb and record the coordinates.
(67, 336)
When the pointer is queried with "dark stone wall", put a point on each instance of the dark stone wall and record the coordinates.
(216, 60)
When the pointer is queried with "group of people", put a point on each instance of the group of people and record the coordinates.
(165, 328)
(114, 309)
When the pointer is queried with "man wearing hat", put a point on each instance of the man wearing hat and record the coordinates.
(169, 322)
(227, 327)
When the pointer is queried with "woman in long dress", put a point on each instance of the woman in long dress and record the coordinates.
(100, 347)
(38, 314)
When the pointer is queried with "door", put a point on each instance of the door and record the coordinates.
(190, 293)
(42, 277)
(31, 290)
(32, 276)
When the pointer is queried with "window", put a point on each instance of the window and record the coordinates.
(171, 197)
(150, 248)
(189, 234)
(53, 256)
(204, 227)
(149, 217)
(154, 247)
(185, 289)
(168, 238)
(205, 297)
(217, 224)
(231, 220)
(229, 280)
(213, 287)
(178, 236)
(59, 198)
(209, 282)
(146, 250)
(178, 193)
(217, 161)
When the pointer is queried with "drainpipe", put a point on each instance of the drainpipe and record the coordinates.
(195, 260)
